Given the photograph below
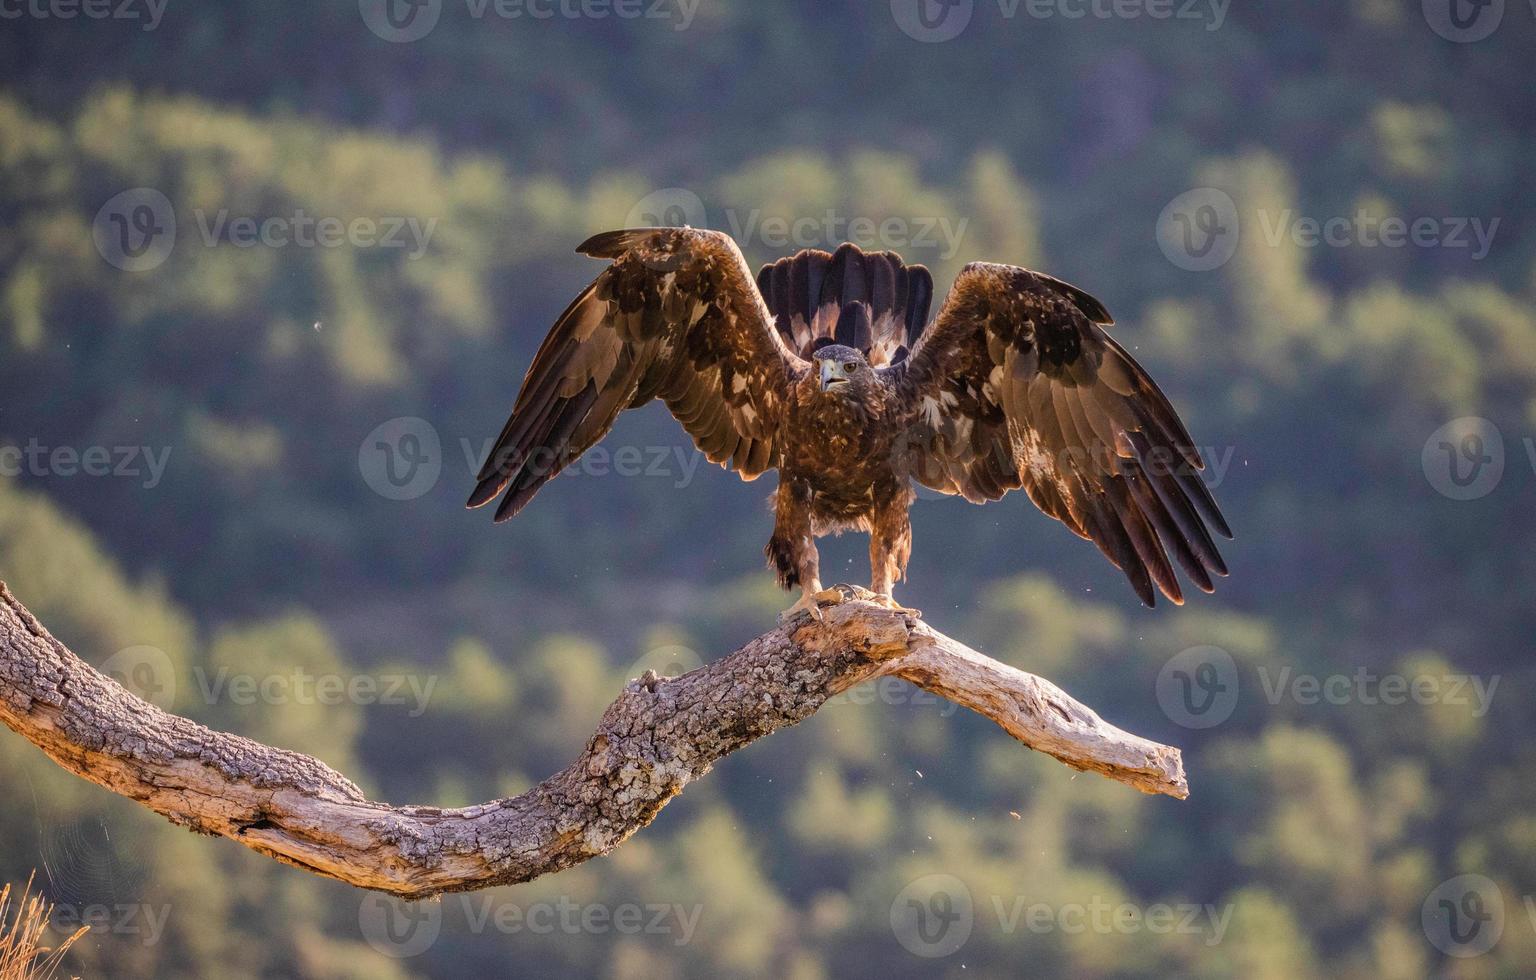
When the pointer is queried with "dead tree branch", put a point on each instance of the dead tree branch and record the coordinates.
(660, 735)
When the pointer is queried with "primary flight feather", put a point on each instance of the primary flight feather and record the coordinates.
(826, 368)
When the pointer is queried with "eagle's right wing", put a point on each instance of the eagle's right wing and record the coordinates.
(677, 316)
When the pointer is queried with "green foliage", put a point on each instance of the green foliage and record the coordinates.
(1313, 374)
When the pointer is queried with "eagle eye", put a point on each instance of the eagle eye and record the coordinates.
(850, 366)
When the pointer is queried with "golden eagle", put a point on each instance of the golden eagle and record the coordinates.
(827, 369)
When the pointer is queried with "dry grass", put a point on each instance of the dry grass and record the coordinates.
(22, 933)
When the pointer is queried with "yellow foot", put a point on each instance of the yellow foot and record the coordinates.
(812, 602)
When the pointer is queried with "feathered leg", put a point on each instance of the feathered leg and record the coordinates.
(792, 549)
(890, 545)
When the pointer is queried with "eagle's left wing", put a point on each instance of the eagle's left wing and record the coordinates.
(1016, 384)
(676, 316)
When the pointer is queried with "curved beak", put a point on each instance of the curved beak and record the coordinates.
(829, 375)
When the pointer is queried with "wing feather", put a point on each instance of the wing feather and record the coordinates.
(1017, 384)
(676, 316)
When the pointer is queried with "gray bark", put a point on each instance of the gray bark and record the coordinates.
(660, 735)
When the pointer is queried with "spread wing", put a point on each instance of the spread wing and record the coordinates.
(677, 316)
(1016, 384)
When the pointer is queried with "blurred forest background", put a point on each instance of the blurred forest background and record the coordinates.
(277, 543)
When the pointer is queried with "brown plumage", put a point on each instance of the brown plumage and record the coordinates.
(826, 369)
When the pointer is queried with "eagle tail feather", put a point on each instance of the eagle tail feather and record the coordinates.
(868, 300)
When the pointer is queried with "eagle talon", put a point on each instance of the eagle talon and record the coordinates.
(806, 603)
(812, 602)
(835, 596)
(889, 602)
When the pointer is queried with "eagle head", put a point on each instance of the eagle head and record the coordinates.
(843, 369)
